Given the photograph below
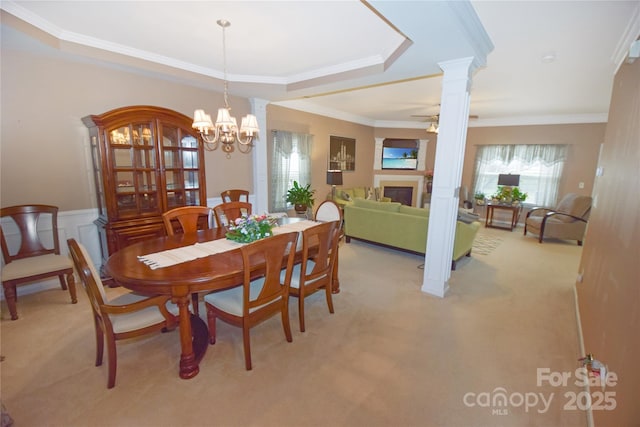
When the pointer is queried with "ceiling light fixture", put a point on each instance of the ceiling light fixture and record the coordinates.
(225, 130)
(434, 127)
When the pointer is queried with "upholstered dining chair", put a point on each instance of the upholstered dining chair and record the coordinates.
(189, 218)
(315, 272)
(567, 221)
(126, 316)
(33, 260)
(235, 196)
(230, 211)
(261, 297)
(328, 211)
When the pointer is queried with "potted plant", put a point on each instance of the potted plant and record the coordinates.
(479, 197)
(518, 196)
(300, 197)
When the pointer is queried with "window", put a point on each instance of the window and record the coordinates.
(539, 166)
(291, 162)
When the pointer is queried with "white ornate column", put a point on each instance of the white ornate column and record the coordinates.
(454, 117)
(260, 169)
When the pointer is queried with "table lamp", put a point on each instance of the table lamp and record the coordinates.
(334, 177)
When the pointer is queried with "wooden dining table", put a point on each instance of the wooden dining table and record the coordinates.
(211, 273)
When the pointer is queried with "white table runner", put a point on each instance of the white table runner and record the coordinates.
(200, 250)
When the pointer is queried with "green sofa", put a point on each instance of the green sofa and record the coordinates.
(399, 226)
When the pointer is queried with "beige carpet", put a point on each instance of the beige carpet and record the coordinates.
(389, 356)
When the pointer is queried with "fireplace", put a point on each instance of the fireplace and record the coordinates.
(411, 184)
(403, 195)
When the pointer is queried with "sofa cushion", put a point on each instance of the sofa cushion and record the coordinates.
(372, 204)
(410, 210)
(360, 192)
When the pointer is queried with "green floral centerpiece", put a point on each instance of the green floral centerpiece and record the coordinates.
(249, 228)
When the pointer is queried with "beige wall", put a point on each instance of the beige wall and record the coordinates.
(44, 156)
(609, 295)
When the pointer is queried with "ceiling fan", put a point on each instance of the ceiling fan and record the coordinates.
(434, 127)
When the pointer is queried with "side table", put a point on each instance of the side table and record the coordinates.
(515, 215)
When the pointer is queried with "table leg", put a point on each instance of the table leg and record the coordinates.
(188, 363)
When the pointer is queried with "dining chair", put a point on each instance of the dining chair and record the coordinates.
(126, 316)
(315, 272)
(188, 218)
(33, 260)
(331, 211)
(264, 291)
(235, 196)
(230, 211)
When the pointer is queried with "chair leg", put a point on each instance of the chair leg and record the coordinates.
(246, 338)
(329, 298)
(286, 325)
(12, 298)
(99, 341)
(211, 320)
(71, 281)
(63, 284)
(301, 311)
(113, 360)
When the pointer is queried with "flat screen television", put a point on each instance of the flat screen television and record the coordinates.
(399, 158)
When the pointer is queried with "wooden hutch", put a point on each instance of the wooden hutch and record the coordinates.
(147, 160)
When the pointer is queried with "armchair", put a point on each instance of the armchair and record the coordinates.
(567, 221)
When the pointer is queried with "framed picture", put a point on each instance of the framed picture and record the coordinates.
(342, 153)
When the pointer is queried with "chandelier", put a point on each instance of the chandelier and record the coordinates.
(225, 130)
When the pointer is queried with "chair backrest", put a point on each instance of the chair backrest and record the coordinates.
(576, 205)
(189, 218)
(26, 218)
(266, 256)
(235, 196)
(328, 211)
(230, 211)
(322, 241)
(89, 276)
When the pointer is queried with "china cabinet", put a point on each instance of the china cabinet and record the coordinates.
(146, 160)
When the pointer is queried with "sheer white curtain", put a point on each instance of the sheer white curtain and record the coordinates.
(291, 161)
(539, 166)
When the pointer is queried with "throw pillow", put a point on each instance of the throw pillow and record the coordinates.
(466, 217)
(346, 196)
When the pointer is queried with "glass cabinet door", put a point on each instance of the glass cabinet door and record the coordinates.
(133, 158)
(181, 166)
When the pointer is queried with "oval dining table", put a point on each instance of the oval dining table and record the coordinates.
(214, 272)
(211, 273)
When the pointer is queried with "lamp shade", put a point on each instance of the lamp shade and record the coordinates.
(334, 177)
(509, 180)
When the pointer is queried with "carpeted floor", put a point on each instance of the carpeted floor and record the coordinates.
(391, 355)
